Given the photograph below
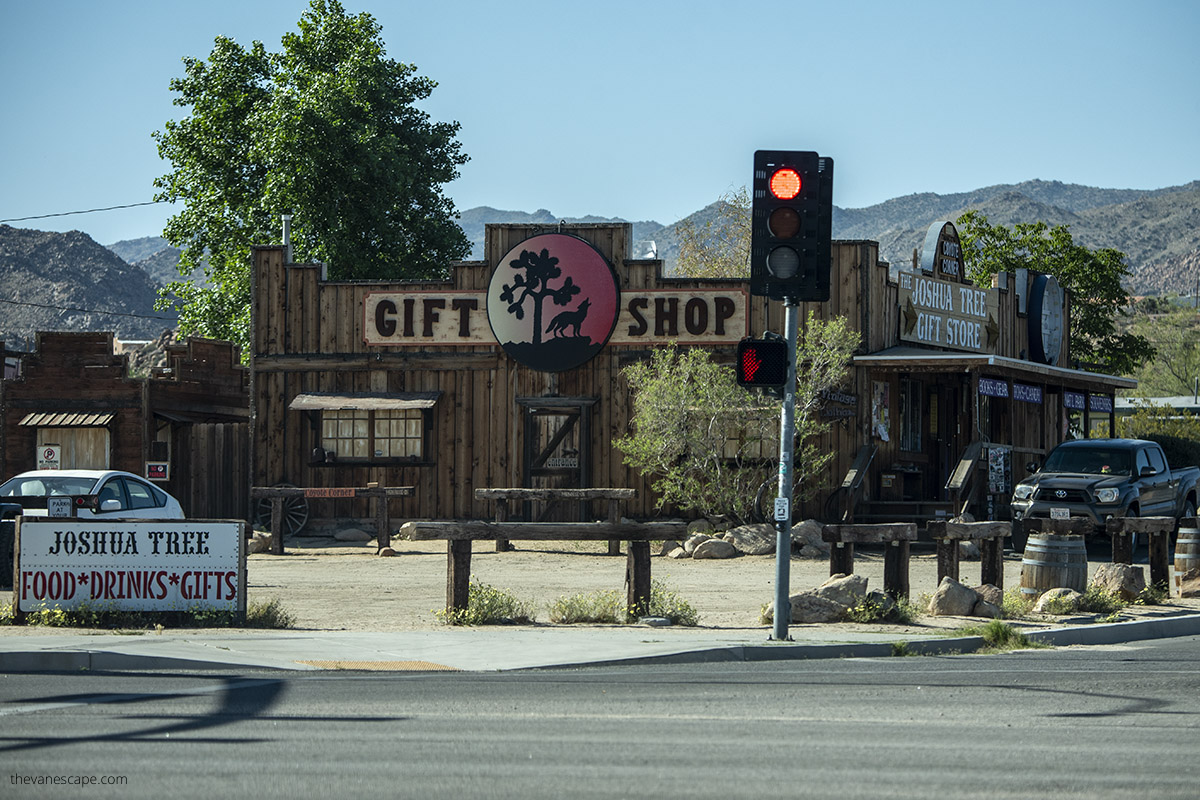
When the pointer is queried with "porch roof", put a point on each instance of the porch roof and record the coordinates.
(899, 359)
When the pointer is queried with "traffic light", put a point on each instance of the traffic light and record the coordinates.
(791, 225)
(762, 362)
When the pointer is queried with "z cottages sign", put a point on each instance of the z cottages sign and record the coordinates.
(553, 303)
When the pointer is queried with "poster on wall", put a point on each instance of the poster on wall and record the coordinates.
(881, 421)
(999, 470)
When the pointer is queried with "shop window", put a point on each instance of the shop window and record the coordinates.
(911, 414)
(373, 435)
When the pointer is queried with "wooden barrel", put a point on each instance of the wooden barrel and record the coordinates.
(1053, 560)
(1187, 555)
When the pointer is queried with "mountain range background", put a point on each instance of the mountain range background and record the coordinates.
(67, 281)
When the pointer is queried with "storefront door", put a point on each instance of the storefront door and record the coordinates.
(557, 455)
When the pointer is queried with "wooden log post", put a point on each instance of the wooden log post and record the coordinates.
(637, 578)
(895, 568)
(614, 516)
(841, 558)
(502, 545)
(277, 526)
(458, 575)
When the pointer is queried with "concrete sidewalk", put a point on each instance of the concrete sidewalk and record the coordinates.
(508, 648)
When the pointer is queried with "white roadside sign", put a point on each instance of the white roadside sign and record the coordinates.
(136, 565)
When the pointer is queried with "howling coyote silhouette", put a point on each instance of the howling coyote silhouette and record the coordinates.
(569, 319)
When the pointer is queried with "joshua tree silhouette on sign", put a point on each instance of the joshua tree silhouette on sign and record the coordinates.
(540, 269)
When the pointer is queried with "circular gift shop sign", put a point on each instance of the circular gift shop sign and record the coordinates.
(553, 302)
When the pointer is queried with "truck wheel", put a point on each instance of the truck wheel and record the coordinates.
(1133, 537)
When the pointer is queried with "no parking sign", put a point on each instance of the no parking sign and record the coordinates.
(49, 456)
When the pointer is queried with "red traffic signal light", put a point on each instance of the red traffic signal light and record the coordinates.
(762, 362)
(791, 225)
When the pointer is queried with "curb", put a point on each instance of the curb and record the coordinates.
(65, 660)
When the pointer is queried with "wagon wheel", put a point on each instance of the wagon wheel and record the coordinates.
(295, 512)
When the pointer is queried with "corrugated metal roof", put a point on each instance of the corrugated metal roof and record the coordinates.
(67, 420)
(333, 401)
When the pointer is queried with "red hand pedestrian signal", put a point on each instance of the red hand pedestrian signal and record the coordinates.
(762, 362)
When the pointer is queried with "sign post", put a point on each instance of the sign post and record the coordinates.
(783, 501)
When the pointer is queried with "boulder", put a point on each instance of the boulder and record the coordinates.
(810, 608)
(808, 534)
(984, 608)
(1058, 601)
(808, 551)
(992, 594)
(668, 547)
(753, 540)
(1190, 583)
(679, 552)
(259, 542)
(352, 535)
(1123, 580)
(714, 548)
(695, 540)
(845, 590)
(968, 550)
(952, 599)
(700, 526)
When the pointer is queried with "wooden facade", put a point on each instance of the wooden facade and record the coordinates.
(326, 387)
(191, 416)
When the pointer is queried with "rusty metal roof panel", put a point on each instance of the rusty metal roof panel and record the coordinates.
(67, 420)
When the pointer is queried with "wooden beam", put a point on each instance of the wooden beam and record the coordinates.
(471, 530)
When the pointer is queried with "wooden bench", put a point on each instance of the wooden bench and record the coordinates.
(1158, 530)
(459, 536)
(896, 537)
(503, 496)
(278, 494)
(990, 535)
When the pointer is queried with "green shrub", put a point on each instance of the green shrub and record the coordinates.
(899, 612)
(1097, 601)
(261, 614)
(1016, 605)
(596, 607)
(666, 603)
(487, 605)
(998, 636)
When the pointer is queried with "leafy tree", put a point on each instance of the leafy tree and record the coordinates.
(1092, 276)
(326, 129)
(1176, 364)
(540, 269)
(708, 443)
(720, 247)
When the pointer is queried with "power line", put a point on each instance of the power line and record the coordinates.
(88, 211)
(89, 311)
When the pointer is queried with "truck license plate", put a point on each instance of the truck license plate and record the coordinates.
(1060, 513)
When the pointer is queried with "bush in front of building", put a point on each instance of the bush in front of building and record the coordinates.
(708, 444)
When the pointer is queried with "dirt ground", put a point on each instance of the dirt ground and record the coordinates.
(328, 585)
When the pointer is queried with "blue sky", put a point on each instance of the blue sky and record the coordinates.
(643, 110)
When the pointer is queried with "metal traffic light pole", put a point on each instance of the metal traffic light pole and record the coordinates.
(783, 500)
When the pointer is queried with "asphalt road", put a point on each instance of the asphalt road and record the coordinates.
(1115, 721)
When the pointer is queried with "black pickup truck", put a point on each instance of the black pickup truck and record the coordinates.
(1102, 478)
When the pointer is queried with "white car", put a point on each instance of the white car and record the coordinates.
(119, 495)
